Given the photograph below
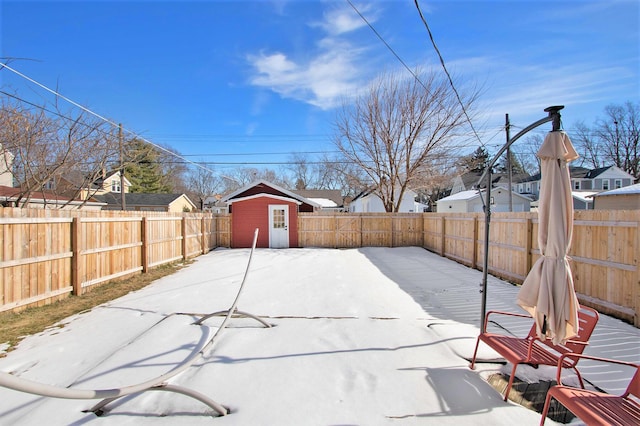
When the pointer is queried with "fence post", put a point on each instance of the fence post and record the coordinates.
(635, 292)
(183, 226)
(442, 235)
(145, 245)
(474, 249)
(529, 244)
(75, 258)
(203, 238)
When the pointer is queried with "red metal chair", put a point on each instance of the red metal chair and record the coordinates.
(534, 351)
(593, 407)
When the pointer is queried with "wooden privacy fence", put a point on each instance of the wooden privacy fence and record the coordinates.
(47, 254)
(604, 253)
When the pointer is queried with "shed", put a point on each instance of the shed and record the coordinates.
(583, 200)
(626, 198)
(270, 208)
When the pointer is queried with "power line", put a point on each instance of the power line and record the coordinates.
(106, 120)
(54, 112)
(464, 110)
(435, 46)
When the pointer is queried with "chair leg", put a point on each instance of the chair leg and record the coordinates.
(513, 375)
(473, 360)
(545, 410)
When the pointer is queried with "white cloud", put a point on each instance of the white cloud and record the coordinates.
(524, 89)
(331, 74)
(342, 20)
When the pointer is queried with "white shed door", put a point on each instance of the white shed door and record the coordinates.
(278, 226)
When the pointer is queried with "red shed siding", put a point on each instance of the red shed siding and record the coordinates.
(254, 213)
(293, 224)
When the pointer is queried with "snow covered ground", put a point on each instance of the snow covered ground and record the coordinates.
(371, 336)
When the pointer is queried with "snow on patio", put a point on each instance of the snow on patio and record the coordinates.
(370, 336)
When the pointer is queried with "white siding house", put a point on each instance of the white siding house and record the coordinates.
(471, 202)
(585, 181)
(6, 164)
(368, 202)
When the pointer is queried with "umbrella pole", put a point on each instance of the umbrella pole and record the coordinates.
(554, 116)
(485, 262)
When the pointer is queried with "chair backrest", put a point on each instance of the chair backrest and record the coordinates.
(634, 386)
(587, 320)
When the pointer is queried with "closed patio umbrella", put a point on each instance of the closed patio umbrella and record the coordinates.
(547, 292)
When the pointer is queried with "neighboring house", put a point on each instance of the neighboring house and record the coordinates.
(45, 200)
(603, 179)
(175, 203)
(625, 198)
(77, 185)
(6, 164)
(215, 204)
(271, 209)
(370, 202)
(582, 179)
(471, 201)
(471, 180)
(328, 199)
(108, 182)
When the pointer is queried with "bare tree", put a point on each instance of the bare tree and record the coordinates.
(203, 183)
(435, 180)
(527, 155)
(591, 153)
(392, 131)
(619, 133)
(53, 151)
(302, 170)
(174, 170)
(613, 139)
(237, 178)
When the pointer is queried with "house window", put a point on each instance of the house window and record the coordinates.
(115, 185)
(493, 201)
(605, 184)
(520, 189)
(49, 185)
(576, 184)
(528, 188)
(617, 183)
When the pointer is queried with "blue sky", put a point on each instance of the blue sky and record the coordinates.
(233, 82)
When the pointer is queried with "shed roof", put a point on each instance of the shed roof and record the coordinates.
(275, 197)
(585, 196)
(627, 190)
(239, 193)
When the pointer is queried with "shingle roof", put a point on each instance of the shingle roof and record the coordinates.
(139, 199)
(591, 174)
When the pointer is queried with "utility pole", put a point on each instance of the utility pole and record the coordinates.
(507, 128)
(122, 194)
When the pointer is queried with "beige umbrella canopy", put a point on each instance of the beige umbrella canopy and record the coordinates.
(548, 293)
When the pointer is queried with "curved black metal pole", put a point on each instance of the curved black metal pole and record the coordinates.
(554, 116)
